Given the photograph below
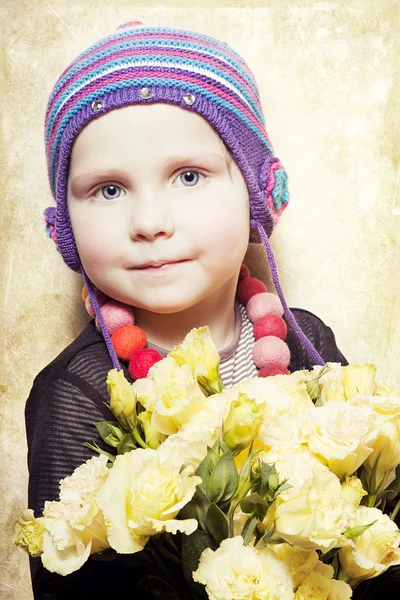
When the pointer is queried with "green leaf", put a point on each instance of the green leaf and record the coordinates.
(197, 508)
(254, 504)
(395, 485)
(248, 529)
(217, 524)
(355, 532)
(109, 432)
(206, 467)
(126, 444)
(223, 481)
(99, 450)
(192, 547)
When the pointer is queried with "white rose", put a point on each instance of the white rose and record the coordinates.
(74, 526)
(171, 393)
(319, 585)
(299, 562)
(353, 490)
(387, 448)
(341, 434)
(252, 575)
(142, 497)
(385, 406)
(375, 550)
(315, 515)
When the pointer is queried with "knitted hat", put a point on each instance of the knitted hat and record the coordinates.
(144, 65)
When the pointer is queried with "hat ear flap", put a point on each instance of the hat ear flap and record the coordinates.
(50, 223)
(274, 180)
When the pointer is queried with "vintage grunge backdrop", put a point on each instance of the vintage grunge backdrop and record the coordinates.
(329, 79)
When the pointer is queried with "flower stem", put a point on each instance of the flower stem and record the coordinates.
(394, 512)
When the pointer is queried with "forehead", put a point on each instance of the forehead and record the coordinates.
(157, 126)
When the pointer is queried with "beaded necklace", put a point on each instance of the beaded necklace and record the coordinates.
(270, 353)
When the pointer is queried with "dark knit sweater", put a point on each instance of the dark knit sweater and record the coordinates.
(66, 398)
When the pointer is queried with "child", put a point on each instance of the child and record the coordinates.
(162, 171)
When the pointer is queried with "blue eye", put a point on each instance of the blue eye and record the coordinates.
(110, 192)
(192, 177)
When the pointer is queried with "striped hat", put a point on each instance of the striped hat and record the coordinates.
(143, 65)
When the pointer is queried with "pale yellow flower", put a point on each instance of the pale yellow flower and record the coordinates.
(319, 585)
(353, 490)
(329, 386)
(238, 572)
(243, 422)
(142, 497)
(122, 395)
(375, 550)
(171, 393)
(341, 434)
(153, 437)
(29, 532)
(313, 516)
(74, 526)
(387, 448)
(198, 351)
(358, 379)
(299, 562)
(387, 407)
(292, 462)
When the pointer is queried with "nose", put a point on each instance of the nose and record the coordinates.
(150, 219)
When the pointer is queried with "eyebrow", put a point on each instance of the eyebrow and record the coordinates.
(91, 177)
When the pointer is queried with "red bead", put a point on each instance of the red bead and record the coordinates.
(142, 361)
(270, 325)
(249, 287)
(271, 370)
(244, 273)
(127, 340)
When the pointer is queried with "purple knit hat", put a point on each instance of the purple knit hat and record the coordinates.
(144, 65)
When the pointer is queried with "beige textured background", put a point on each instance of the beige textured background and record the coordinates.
(329, 79)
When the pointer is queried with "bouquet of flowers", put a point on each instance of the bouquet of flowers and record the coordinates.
(273, 489)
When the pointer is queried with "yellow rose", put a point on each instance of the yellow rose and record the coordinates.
(122, 395)
(238, 572)
(358, 379)
(374, 551)
(353, 490)
(74, 526)
(29, 532)
(242, 423)
(313, 516)
(340, 434)
(198, 351)
(142, 496)
(319, 585)
(171, 393)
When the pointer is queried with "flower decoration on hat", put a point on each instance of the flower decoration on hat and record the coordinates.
(50, 223)
(274, 183)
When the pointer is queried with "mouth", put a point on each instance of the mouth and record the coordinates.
(160, 266)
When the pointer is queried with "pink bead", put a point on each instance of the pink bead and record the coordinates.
(270, 325)
(116, 315)
(270, 350)
(271, 370)
(263, 304)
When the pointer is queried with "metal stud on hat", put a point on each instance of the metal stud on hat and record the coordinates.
(146, 93)
(189, 99)
(97, 105)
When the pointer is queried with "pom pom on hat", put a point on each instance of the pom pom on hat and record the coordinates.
(127, 340)
(142, 361)
(270, 325)
(248, 287)
(116, 315)
(271, 370)
(271, 350)
(262, 304)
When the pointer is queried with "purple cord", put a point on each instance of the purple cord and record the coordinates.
(99, 316)
(288, 313)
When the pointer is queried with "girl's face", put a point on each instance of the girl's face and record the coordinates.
(159, 219)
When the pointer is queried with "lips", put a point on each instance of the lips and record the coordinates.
(158, 264)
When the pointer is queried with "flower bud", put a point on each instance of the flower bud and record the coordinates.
(243, 423)
(153, 437)
(122, 396)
